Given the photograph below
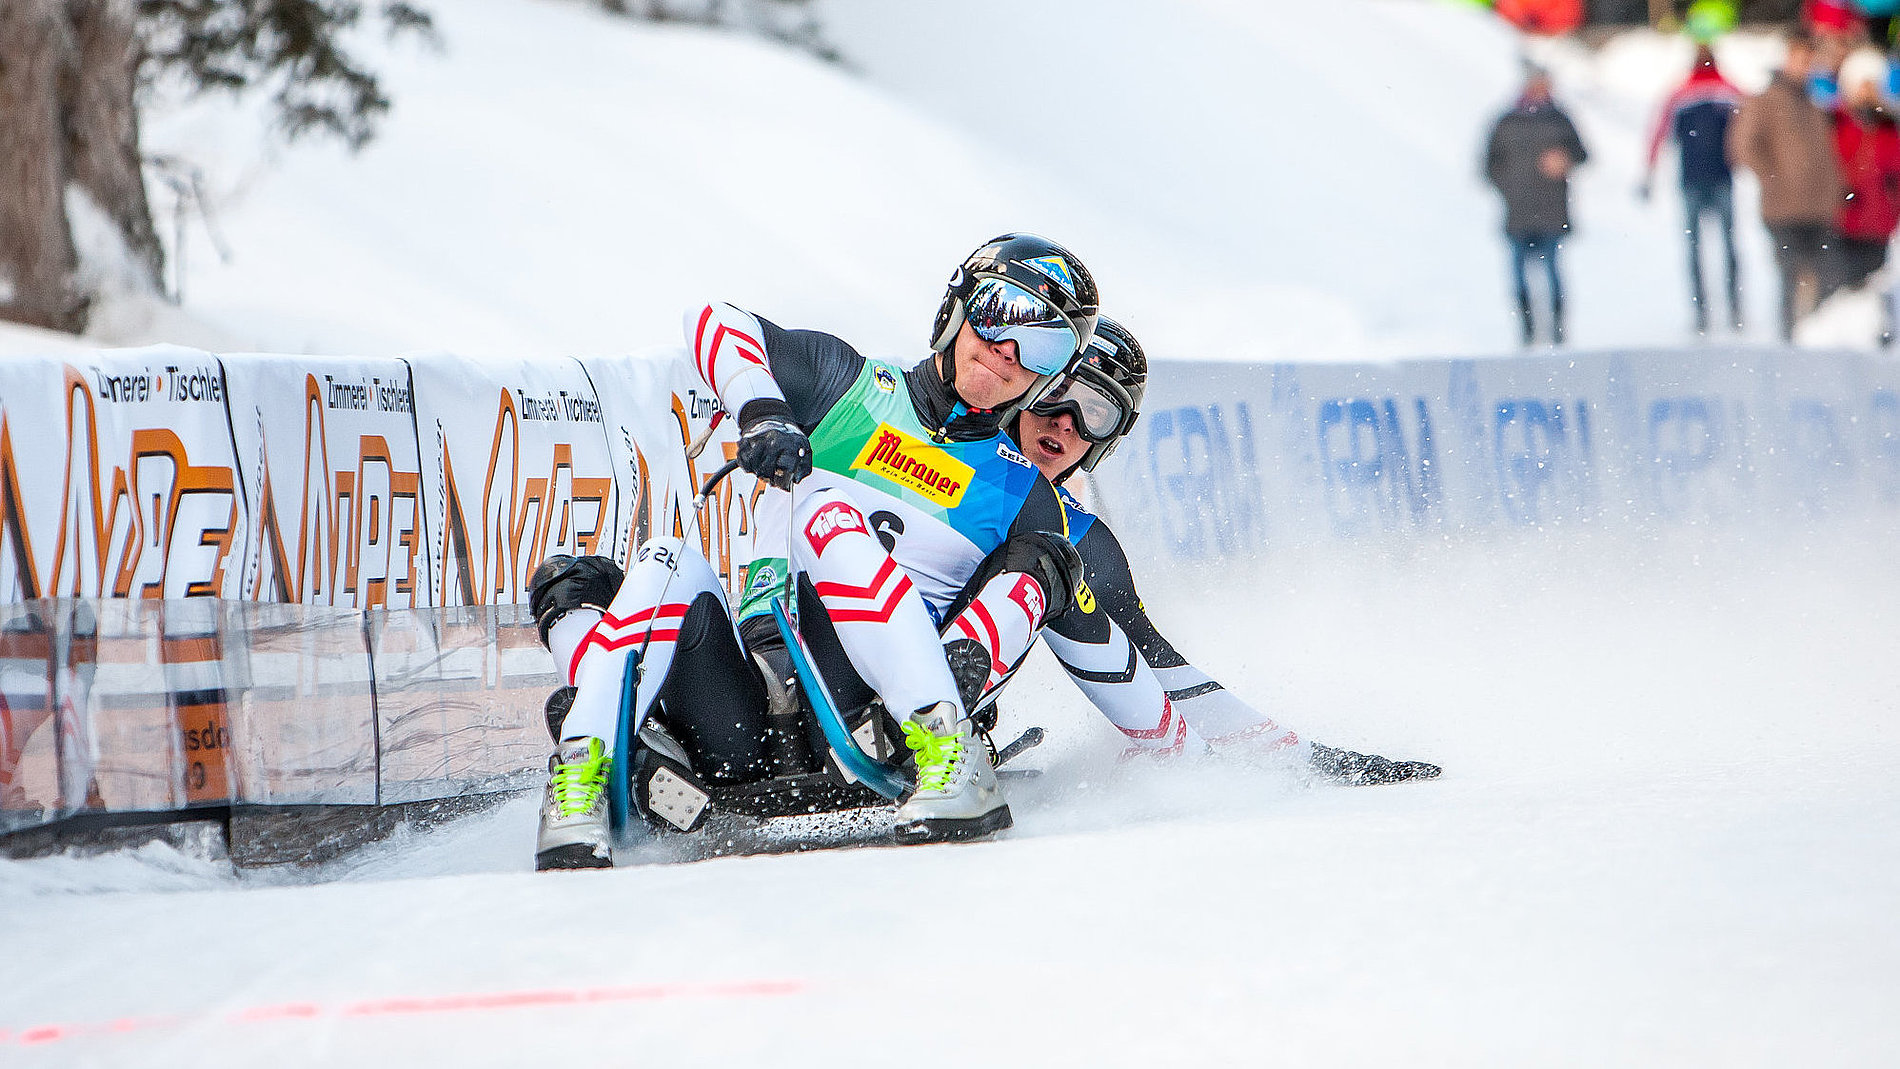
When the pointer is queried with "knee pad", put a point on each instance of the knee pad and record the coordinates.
(559, 704)
(562, 584)
(970, 667)
(1051, 561)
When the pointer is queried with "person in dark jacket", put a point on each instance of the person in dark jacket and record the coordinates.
(1533, 149)
(1789, 144)
(1697, 116)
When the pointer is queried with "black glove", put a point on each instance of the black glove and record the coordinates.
(771, 445)
(562, 584)
(1051, 561)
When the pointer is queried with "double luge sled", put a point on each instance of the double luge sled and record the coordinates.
(811, 800)
(827, 752)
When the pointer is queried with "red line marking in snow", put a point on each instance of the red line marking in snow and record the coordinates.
(44, 1034)
(494, 1000)
(276, 1013)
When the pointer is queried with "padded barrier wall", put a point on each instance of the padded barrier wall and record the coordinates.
(275, 580)
(1235, 459)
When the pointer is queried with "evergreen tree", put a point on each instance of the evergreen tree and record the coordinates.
(71, 76)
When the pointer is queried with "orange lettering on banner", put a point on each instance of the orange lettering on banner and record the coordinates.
(163, 474)
(643, 504)
(356, 528)
(19, 569)
(379, 486)
(113, 535)
(79, 556)
(516, 527)
(455, 547)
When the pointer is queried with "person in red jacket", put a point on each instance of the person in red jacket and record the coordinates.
(1867, 142)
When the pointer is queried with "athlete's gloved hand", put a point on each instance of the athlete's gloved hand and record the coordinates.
(771, 445)
(1052, 562)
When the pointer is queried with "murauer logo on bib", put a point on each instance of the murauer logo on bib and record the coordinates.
(915, 464)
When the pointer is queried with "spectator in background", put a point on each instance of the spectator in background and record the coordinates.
(1837, 26)
(1788, 143)
(1533, 149)
(1867, 143)
(1697, 117)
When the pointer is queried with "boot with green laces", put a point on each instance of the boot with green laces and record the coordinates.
(957, 795)
(574, 832)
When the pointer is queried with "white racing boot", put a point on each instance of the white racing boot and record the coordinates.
(574, 833)
(957, 795)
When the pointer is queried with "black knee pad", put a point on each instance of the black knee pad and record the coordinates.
(562, 584)
(1045, 556)
(559, 704)
(1052, 561)
(970, 667)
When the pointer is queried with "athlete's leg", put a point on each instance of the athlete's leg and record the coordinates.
(637, 621)
(671, 612)
(880, 619)
(1031, 579)
(884, 627)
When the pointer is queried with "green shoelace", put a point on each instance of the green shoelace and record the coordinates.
(577, 785)
(937, 756)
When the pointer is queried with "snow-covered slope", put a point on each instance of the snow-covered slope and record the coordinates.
(1267, 179)
(1303, 179)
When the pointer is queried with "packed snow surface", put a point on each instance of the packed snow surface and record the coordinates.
(1663, 837)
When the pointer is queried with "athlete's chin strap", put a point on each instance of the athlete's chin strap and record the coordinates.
(955, 420)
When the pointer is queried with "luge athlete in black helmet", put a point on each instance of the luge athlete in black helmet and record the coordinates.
(903, 503)
(1109, 646)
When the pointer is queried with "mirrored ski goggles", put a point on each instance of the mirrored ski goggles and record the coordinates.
(1100, 409)
(999, 310)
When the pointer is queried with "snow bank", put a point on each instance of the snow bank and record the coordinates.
(1250, 181)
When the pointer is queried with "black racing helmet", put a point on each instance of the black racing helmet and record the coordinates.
(1102, 392)
(1026, 289)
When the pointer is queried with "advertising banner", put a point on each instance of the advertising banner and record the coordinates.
(516, 468)
(330, 468)
(117, 476)
(651, 444)
(1229, 459)
(283, 580)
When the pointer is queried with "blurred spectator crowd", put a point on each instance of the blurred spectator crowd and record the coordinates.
(1820, 139)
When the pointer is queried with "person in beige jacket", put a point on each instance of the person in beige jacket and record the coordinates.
(1788, 142)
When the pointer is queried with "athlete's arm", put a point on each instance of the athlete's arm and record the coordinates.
(1102, 661)
(745, 358)
(1215, 713)
(1032, 578)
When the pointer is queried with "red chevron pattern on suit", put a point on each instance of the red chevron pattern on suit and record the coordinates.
(614, 633)
(723, 339)
(874, 602)
(1254, 732)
